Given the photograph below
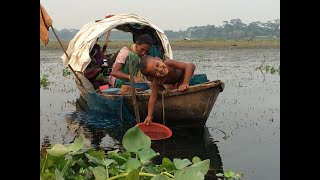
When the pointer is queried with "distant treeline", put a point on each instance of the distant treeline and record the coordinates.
(233, 29)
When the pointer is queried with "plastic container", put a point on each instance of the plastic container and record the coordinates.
(155, 131)
(111, 91)
(139, 85)
(104, 87)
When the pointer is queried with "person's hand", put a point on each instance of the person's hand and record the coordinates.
(183, 87)
(148, 120)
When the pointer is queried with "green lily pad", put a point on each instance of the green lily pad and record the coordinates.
(126, 154)
(99, 173)
(146, 154)
(167, 164)
(133, 175)
(77, 144)
(131, 164)
(94, 159)
(47, 176)
(58, 174)
(152, 168)
(203, 166)
(134, 139)
(228, 174)
(179, 164)
(117, 157)
(188, 173)
(114, 171)
(107, 162)
(195, 159)
(58, 150)
(219, 175)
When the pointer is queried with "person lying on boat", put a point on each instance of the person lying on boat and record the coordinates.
(120, 69)
(162, 72)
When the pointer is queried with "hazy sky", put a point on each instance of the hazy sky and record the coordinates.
(166, 14)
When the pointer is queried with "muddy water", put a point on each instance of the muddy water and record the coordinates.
(241, 134)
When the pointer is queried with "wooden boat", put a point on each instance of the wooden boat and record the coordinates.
(188, 109)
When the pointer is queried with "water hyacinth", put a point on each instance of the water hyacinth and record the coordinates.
(73, 161)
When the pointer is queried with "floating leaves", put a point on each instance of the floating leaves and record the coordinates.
(44, 82)
(72, 161)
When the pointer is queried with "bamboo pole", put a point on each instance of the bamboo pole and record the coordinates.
(106, 42)
(135, 105)
(65, 54)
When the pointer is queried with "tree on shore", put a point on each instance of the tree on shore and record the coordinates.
(233, 29)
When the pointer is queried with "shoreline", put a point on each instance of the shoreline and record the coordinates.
(185, 44)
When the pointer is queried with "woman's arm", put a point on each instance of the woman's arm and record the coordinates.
(152, 101)
(119, 63)
(116, 72)
(188, 71)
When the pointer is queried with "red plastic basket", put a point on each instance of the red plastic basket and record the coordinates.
(155, 131)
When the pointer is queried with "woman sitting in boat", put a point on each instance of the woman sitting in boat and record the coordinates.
(120, 68)
(175, 73)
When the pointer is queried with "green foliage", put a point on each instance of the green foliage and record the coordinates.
(195, 159)
(232, 29)
(134, 139)
(66, 72)
(203, 166)
(167, 164)
(146, 154)
(44, 81)
(73, 161)
(269, 69)
(230, 175)
(160, 177)
(189, 173)
(181, 163)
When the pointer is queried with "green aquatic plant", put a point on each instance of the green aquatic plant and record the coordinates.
(44, 81)
(271, 69)
(268, 69)
(66, 72)
(73, 161)
(230, 175)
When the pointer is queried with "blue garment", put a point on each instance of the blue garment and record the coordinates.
(198, 79)
(155, 51)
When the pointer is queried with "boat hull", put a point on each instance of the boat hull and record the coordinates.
(188, 109)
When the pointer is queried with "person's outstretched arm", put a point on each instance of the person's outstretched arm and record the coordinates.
(152, 101)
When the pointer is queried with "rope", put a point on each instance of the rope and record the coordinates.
(163, 114)
(121, 120)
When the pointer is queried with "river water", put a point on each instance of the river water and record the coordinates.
(242, 133)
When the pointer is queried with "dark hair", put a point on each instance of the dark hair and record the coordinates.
(143, 65)
(144, 39)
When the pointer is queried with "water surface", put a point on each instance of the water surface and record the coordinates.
(242, 132)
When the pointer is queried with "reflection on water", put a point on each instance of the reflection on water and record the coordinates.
(189, 144)
(182, 144)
